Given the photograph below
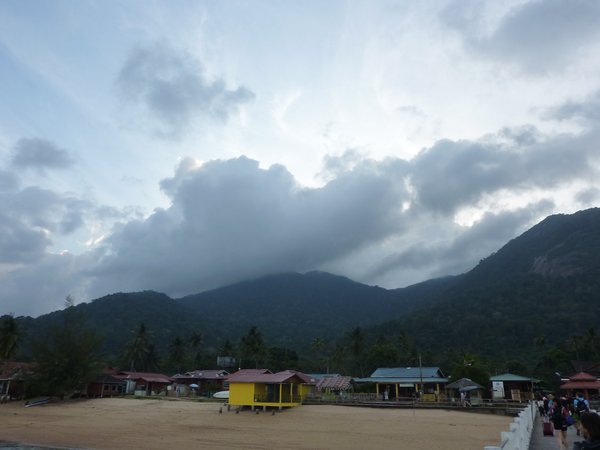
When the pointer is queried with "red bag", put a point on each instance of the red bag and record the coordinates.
(548, 429)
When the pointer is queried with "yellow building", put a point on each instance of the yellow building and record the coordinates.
(282, 389)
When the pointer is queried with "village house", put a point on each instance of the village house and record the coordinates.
(394, 383)
(276, 390)
(203, 382)
(144, 383)
(107, 385)
(508, 386)
(333, 384)
(12, 379)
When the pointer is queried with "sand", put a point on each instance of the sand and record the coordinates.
(120, 423)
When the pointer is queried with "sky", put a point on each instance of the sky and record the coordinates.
(180, 146)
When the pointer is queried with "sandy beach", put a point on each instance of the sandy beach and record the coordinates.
(158, 424)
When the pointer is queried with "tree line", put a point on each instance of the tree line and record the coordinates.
(69, 356)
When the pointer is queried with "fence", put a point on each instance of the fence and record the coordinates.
(519, 435)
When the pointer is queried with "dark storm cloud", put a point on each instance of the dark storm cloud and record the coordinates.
(230, 220)
(452, 174)
(174, 88)
(40, 154)
(537, 36)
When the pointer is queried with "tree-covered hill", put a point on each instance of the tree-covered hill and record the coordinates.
(293, 308)
(521, 303)
(538, 291)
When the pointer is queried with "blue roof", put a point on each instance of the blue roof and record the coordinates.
(408, 372)
(394, 380)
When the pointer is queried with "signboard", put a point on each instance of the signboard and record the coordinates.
(225, 361)
(497, 389)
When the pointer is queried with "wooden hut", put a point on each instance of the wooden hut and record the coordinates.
(466, 386)
(282, 389)
(509, 386)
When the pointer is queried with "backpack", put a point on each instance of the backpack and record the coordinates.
(581, 406)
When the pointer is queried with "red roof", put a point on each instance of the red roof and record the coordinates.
(275, 378)
(581, 380)
(244, 372)
(583, 376)
(305, 378)
(144, 376)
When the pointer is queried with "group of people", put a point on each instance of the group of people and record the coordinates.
(564, 412)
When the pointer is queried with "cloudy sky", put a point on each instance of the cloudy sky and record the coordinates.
(182, 145)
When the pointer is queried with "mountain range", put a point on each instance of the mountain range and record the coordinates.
(541, 287)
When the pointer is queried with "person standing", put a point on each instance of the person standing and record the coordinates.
(580, 406)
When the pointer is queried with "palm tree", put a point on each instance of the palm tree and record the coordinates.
(10, 335)
(177, 353)
(195, 341)
(357, 342)
(252, 345)
(338, 356)
(319, 345)
(138, 349)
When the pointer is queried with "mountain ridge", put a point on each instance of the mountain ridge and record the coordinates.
(497, 308)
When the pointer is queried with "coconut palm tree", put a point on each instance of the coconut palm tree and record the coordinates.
(139, 348)
(177, 353)
(252, 346)
(320, 344)
(196, 340)
(357, 344)
(10, 335)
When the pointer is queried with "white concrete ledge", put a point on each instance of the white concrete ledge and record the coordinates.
(520, 430)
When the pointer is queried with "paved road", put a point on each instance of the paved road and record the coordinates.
(541, 442)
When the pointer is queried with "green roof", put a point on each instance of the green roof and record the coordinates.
(512, 377)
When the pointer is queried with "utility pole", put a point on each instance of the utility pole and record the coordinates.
(420, 377)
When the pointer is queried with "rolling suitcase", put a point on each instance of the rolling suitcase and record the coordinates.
(548, 429)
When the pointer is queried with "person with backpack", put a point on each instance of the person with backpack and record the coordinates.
(580, 406)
